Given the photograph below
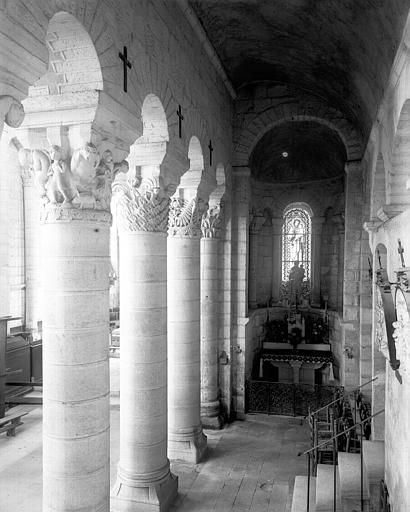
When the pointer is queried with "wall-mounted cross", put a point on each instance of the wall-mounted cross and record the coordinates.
(210, 152)
(400, 250)
(127, 64)
(180, 119)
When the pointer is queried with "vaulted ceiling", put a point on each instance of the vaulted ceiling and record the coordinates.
(340, 50)
(298, 152)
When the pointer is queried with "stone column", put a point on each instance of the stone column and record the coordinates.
(352, 272)
(277, 223)
(240, 248)
(144, 481)
(186, 439)
(32, 253)
(210, 406)
(317, 224)
(254, 229)
(76, 389)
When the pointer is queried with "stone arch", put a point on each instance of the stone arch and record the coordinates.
(378, 187)
(65, 99)
(267, 119)
(397, 192)
(154, 120)
(381, 252)
(195, 155)
(148, 151)
(298, 204)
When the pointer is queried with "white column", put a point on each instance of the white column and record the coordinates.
(144, 481)
(186, 439)
(76, 435)
(32, 252)
(317, 224)
(210, 407)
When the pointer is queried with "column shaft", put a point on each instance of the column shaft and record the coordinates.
(186, 439)
(277, 224)
(210, 407)
(144, 481)
(317, 223)
(76, 436)
(253, 268)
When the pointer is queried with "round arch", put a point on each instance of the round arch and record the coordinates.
(262, 123)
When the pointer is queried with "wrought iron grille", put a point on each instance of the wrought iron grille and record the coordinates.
(286, 399)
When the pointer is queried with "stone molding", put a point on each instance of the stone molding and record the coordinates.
(211, 222)
(184, 218)
(51, 213)
(11, 111)
(140, 206)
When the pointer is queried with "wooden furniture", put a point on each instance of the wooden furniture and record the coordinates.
(11, 420)
(3, 369)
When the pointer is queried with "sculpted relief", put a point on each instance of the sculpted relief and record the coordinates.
(84, 181)
(381, 333)
(402, 331)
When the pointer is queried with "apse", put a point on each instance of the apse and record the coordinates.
(298, 152)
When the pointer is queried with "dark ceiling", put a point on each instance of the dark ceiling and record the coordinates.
(312, 152)
(341, 50)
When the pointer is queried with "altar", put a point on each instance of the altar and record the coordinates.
(296, 347)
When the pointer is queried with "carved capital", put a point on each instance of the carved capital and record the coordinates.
(141, 205)
(211, 222)
(185, 217)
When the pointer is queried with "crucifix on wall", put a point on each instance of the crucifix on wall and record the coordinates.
(180, 119)
(126, 64)
(210, 152)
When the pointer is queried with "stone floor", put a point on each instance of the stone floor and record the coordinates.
(250, 466)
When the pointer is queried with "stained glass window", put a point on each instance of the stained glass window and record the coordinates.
(296, 242)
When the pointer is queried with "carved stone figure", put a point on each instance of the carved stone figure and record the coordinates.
(60, 184)
(211, 222)
(84, 163)
(104, 178)
(39, 162)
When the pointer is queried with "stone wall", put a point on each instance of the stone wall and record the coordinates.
(397, 411)
(169, 59)
(326, 200)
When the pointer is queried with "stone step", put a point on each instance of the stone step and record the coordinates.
(324, 489)
(349, 475)
(373, 458)
(300, 494)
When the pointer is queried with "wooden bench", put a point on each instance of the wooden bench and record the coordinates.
(11, 420)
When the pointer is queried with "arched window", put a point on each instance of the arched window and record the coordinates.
(296, 240)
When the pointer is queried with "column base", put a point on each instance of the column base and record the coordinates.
(187, 446)
(136, 496)
(211, 416)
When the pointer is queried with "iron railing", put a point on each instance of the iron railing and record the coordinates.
(333, 440)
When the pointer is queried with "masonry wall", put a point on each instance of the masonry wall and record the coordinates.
(168, 60)
(397, 412)
(326, 200)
